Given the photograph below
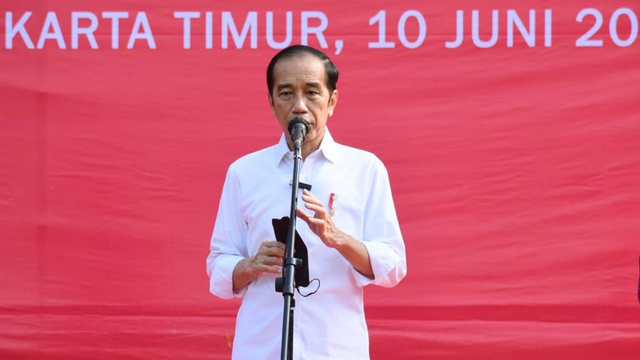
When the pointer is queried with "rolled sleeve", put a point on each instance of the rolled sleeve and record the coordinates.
(382, 235)
(228, 241)
(220, 273)
(388, 266)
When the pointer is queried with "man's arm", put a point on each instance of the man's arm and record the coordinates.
(268, 259)
(321, 224)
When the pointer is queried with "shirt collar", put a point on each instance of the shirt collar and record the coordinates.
(327, 148)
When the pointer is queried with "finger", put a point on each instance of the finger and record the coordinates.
(270, 269)
(271, 252)
(270, 244)
(317, 208)
(307, 197)
(266, 264)
(303, 215)
(273, 248)
(269, 260)
(318, 222)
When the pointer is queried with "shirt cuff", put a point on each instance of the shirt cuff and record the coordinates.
(388, 267)
(221, 280)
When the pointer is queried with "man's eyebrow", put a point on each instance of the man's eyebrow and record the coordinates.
(282, 86)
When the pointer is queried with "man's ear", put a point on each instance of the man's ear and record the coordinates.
(333, 101)
(273, 106)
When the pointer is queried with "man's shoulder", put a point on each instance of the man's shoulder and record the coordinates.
(259, 158)
(353, 154)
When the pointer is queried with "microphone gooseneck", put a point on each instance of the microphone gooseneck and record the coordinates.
(298, 129)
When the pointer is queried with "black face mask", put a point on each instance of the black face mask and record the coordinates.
(281, 228)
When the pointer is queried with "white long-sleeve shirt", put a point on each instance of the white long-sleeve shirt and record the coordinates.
(329, 324)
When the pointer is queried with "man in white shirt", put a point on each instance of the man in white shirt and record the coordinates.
(349, 225)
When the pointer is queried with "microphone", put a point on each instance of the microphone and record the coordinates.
(298, 129)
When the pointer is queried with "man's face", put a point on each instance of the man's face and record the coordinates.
(300, 90)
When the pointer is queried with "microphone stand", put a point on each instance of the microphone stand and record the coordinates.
(286, 284)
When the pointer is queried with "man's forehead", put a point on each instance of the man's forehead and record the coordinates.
(300, 66)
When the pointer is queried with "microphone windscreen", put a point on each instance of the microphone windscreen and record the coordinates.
(299, 120)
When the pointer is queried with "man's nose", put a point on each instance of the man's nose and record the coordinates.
(299, 106)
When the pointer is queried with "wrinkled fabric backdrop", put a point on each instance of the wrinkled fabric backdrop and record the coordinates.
(513, 152)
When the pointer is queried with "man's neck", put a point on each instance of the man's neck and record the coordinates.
(308, 147)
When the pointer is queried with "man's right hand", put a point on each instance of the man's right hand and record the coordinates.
(268, 259)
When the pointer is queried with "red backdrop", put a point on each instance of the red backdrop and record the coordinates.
(514, 165)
